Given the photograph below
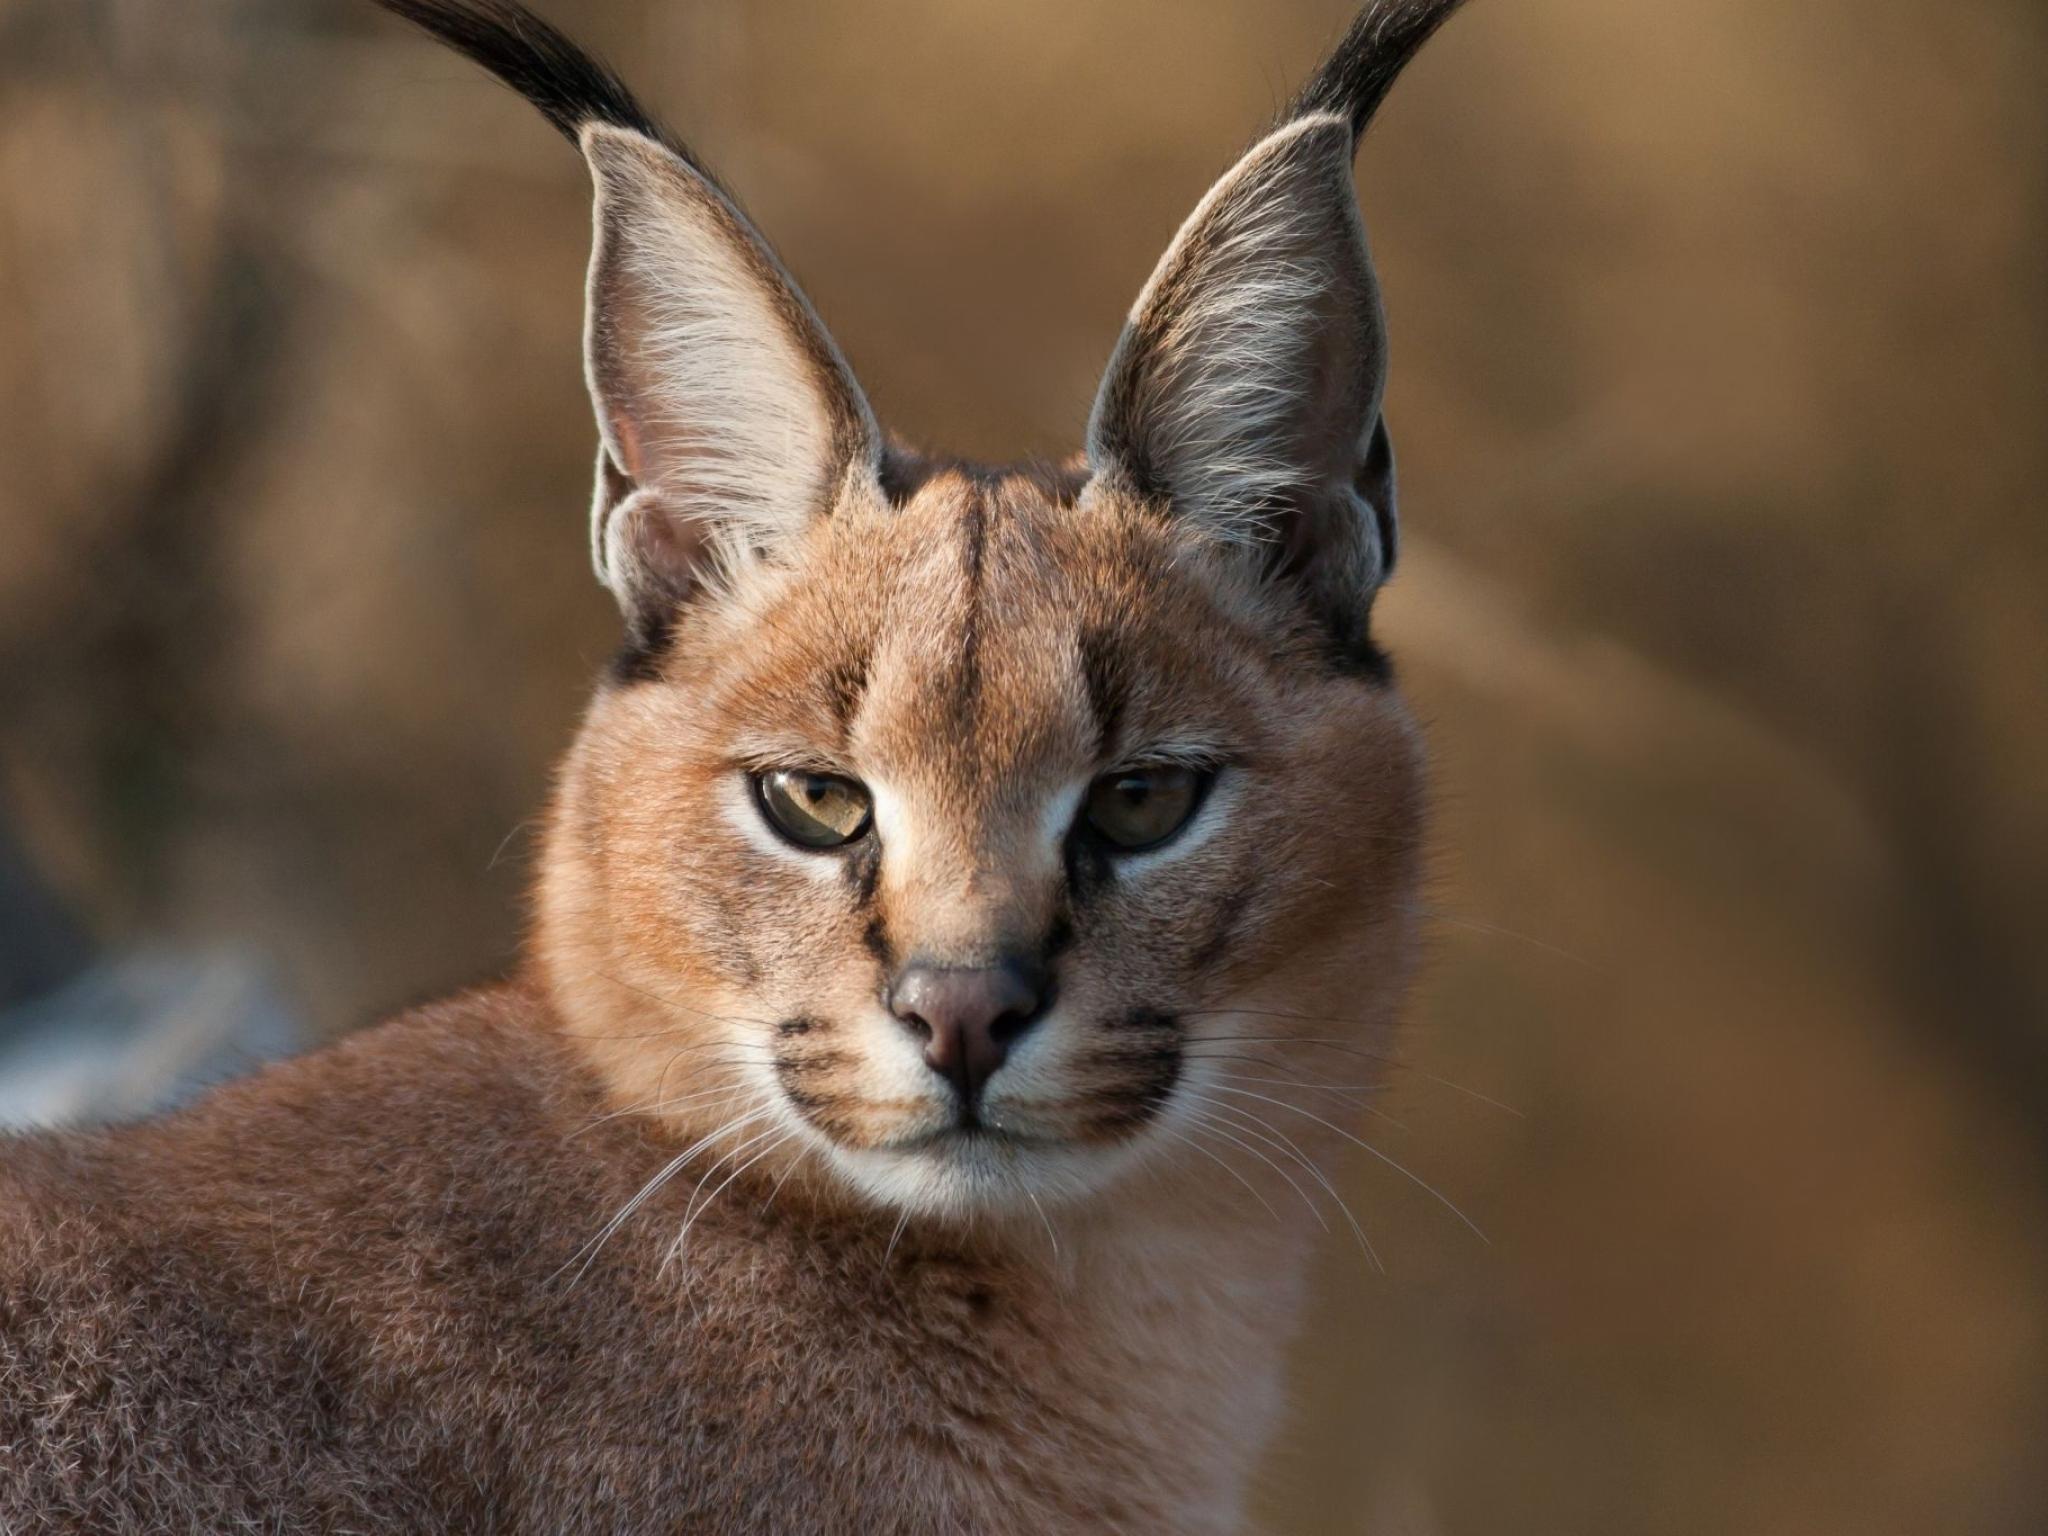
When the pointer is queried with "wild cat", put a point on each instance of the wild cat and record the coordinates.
(909, 1116)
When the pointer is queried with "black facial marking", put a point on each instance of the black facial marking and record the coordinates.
(790, 1028)
(1103, 678)
(846, 685)
(805, 1100)
(1352, 652)
(875, 939)
(863, 870)
(1090, 870)
(973, 554)
(803, 1066)
(1059, 935)
(900, 475)
(649, 638)
(1150, 1020)
(1153, 1061)
(1229, 912)
(863, 878)
(905, 472)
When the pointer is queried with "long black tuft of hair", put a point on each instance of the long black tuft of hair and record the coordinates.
(570, 86)
(1377, 46)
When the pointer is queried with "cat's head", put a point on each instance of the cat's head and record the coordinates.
(965, 827)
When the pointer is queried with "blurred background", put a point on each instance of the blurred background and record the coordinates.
(1720, 382)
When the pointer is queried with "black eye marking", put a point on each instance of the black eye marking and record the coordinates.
(864, 871)
(875, 939)
(1059, 935)
(1089, 870)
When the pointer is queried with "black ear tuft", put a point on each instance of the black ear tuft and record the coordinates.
(1245, 390)
(1359, 72)
(727, 416)
(571, 87)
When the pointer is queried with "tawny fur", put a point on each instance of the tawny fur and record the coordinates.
(678, 1231)
(348, 1296)
(357, 1292)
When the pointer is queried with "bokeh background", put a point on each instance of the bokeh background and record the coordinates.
(1720, 382)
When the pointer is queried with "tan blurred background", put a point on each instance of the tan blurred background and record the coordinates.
(1721, 385)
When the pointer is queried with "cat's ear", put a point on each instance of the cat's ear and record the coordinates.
(727, 416)
(1245, 390)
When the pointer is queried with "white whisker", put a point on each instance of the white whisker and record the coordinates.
(668, 1171)
(1051, 1236)
(1275, 1137)
(1398, 1167)
(1250, 1188)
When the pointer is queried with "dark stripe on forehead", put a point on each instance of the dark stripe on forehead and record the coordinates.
(1103, 676)
(973, 557)
(846, 685)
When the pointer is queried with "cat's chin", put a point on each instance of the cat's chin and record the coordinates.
(963, 1172)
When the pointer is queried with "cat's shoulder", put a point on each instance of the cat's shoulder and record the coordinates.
(468, 1091)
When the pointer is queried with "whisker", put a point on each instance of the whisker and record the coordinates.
(1214, 1127)
(1397, 1166)
(783, 1177)
(895, 1234)
(696, 1209)
(1344, 1095)
(668, 1171)
(1399, 1062)
(678, 1005)
(1275, 1137)
(1495, 931)
(658, 1106)
(1250, 1188)
(1292, 1082)
(525, 825)
(1051, 1236)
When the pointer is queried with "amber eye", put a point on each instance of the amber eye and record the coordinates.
(813, 810)
(1142, 807)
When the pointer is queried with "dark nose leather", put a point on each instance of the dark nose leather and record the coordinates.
(968, 1016)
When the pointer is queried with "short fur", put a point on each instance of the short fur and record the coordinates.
(678, 1230)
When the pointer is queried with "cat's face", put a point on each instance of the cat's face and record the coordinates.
(988, 728)
(957, 828)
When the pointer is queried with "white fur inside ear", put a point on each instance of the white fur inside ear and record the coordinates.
(1219, 369)
(718, 392)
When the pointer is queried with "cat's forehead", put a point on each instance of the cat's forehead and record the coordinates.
(987, 624)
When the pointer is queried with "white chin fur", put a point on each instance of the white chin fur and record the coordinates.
(960, 1177)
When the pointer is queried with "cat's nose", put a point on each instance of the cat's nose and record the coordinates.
(968, 1015)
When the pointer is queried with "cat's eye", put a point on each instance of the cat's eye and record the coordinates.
(1140, 808)
(813, 810)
